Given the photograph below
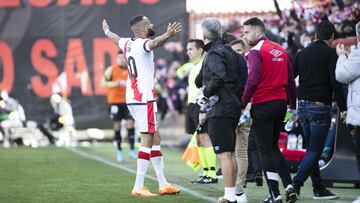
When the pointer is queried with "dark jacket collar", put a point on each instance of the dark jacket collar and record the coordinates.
(320, 42)
(207, 46)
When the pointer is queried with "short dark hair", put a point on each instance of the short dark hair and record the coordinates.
(198, 43)
(324, 30)
(255, 22)
(237, 41)
(134, 20)
(228, 37)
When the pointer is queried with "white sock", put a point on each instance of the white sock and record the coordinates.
(230, 194)
(158, 164)
(142, 166)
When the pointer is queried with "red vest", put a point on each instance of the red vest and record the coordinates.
(274, 74)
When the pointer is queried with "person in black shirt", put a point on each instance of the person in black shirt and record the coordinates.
(315, 66)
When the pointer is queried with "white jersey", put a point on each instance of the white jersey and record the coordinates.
(140, 83)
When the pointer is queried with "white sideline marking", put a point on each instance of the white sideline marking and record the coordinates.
(104, 161)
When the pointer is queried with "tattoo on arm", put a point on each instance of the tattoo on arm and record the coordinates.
(158, 41)
(114, 37)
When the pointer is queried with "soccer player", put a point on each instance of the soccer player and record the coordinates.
(141, 99)
(114, 79)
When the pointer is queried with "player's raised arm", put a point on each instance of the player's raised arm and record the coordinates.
(114, 37)
(172, 30)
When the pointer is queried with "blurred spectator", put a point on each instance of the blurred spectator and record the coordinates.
(62, 120)
(233, 27)
(12, 116)
(348, 28)
(175, 49)
(175, 89)
(306, 39)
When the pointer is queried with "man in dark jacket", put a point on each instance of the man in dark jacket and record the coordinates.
(221, 78)
(315, 66)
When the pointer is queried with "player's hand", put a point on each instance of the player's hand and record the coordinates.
(174, 28)
(340, 49)
(105, 26)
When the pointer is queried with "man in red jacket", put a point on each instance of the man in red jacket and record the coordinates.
(270, 87)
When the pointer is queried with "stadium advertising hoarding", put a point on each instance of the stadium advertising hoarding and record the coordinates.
(40, 39)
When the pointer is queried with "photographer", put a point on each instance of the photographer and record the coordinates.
(221, 77)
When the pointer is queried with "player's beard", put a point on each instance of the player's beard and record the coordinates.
(151, 32)
(251, 43)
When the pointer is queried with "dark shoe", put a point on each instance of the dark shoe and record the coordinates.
(219, 173)
(324, 194)
(291, 194)
(208, 180)
(258, 179)
(273, 200)
(197, 180)
(245, 184)
(223, 200)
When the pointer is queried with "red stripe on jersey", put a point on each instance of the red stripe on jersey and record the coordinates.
(155, 153)
(143, 155)
(134, 86)
(151, 117)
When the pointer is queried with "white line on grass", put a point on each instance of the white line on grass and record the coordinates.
(102, 160)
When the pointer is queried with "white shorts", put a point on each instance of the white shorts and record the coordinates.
(146, 116)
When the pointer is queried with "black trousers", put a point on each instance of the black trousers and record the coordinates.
(267, 122)
(253, 156)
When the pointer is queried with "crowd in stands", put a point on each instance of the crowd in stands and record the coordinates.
(293, 29)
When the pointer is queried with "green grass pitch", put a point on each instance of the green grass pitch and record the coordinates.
(59, 175)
